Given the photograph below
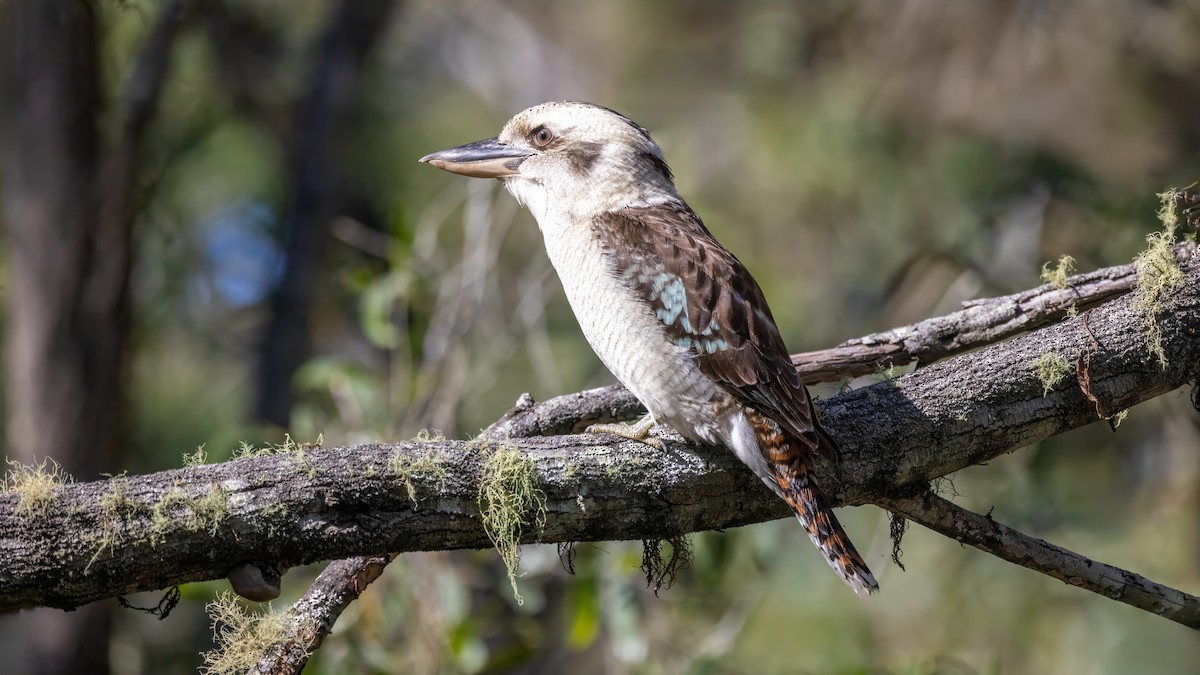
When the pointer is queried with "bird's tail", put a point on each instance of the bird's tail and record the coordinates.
(791, 467)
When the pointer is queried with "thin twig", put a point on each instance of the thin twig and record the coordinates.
(985, 534)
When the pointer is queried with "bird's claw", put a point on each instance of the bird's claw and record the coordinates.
(637, 431)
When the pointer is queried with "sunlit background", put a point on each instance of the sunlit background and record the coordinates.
(872, 163)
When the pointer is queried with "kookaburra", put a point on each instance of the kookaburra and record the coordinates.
(672, 313)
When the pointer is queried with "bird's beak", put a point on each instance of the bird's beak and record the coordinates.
(488, 158)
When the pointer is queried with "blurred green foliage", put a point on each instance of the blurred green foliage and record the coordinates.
(872, 163)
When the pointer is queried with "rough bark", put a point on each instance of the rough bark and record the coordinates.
(139, 533)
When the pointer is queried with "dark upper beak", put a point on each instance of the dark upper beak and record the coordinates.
(488, 158)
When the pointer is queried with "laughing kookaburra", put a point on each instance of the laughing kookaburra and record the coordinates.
(675, 317)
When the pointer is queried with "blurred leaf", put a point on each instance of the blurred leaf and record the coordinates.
(378, 305)
(583, 599)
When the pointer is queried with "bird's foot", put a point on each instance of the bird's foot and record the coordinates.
(637, 431)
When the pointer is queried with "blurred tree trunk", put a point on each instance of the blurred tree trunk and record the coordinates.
(64, 356)
(315, 192)
(63, 347)
(68, 205)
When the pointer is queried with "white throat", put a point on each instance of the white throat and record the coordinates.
(533, 196)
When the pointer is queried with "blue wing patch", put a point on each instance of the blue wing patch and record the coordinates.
(668, 295)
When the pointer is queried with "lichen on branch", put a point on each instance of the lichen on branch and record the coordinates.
(241, 637)
(509, 500)
(34, 484)
(1158, 274)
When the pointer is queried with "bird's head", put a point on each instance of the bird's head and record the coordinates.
(568, 157)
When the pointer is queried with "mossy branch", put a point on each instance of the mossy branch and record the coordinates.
(136, 533)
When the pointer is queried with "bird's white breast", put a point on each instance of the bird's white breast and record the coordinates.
(627, 336)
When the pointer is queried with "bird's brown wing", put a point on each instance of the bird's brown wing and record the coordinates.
(709, 304)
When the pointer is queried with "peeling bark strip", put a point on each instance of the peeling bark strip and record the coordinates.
(1070, 568)
(106, 538)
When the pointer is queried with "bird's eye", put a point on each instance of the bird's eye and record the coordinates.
(542, 137)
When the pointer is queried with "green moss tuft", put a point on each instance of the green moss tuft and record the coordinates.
(115, 507)
(197, 458)
(1168, 210)
(303, 465)
(248, 449)
(1057, 276)
(429, 436)
(209, 510)
(241, 636)
(1050, 369)
(509, 499)
(429, 465)
(34, 484)
(571, 472)
(205, 512)
(272, 515)
(298, 452)
(160, 514)
(1158, 275)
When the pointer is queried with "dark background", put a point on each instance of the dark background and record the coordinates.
(217, 231)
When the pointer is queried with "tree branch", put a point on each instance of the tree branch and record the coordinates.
(980, 323)
(313, 615)
(97, 540)
(1004, 542)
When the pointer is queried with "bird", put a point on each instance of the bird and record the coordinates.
(671, 313)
